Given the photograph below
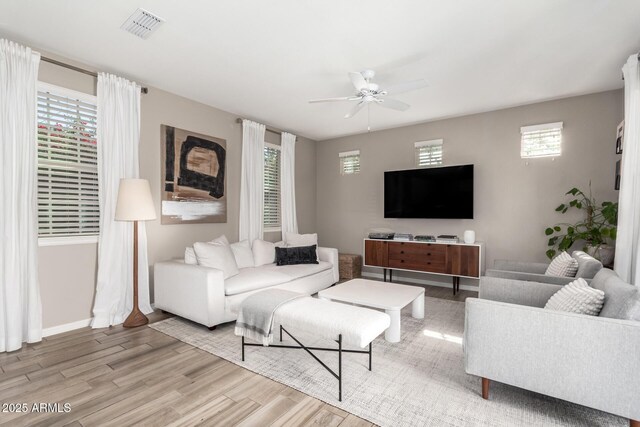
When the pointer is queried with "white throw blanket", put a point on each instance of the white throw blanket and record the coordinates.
(255, 319)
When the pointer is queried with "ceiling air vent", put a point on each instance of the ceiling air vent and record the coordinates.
(142, 23)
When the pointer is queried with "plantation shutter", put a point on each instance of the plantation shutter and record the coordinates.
(67, 163)
(349, 162)
(541, 140)
(429, 153)
(271, 187)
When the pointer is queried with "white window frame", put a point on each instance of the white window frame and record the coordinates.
(553, 131)
(274, 228)
(354, 154)
(84, 97)
(427, 148)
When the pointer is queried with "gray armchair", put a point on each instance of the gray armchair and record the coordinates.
(588, 360)
(588, 267)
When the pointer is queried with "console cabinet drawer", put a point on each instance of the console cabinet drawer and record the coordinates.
(438, 266)
(417, 252)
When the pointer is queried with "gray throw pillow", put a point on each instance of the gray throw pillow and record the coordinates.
(621, 299)
(577, 297)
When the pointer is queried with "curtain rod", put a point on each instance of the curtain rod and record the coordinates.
(267, 128)
(80, 70)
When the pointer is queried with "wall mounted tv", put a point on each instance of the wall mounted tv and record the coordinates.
(444, 192)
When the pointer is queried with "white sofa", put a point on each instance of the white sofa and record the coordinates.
(202, 295)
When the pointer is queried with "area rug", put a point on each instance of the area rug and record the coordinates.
(418, 382)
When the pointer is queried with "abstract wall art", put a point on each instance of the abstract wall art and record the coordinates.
(193, 177)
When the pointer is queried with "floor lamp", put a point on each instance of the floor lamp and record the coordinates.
(135, 204)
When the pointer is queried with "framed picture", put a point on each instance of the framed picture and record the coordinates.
(193, 177)
(617, 184)
(619, 137)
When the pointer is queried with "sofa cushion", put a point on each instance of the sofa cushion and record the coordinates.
(621, 300)
(562, 265)
(252, 278)
(296, 255)
(294, 272)
(588, 266)
(216, 255)
(263, 252)
(295, 240)
(577, 297)
(243, 254)
(190, 256)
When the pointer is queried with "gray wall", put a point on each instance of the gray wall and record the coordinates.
(68, 273)
(514, 198)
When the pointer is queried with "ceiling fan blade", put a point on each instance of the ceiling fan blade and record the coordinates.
(406, 86)
(340, 98)
(394, 104)
(355, 110)
(358, 81)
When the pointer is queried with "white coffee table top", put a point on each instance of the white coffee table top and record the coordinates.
(371, 293)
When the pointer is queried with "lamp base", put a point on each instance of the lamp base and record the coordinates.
(136, 318)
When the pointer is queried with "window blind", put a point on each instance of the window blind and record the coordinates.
(429, 153)
(67, 163)
(349, 162)
(271, 212)
(541, 140)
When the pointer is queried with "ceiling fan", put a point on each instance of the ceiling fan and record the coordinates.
(368, 93)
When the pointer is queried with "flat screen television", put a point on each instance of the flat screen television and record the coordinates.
(444, 192)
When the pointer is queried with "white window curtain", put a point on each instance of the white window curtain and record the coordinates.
(627, 261)
(20, 307)
(118, 144)
(251, 181)
(289, 222)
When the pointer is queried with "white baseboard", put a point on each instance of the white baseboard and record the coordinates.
(419, 281)
(54, 330)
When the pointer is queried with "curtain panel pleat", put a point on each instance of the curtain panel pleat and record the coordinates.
(118, 136)
(20, 305)
(627, 260)
(251, 181)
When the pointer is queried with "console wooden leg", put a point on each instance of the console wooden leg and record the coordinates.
(485, 389)
(634, 423)
(211, 328)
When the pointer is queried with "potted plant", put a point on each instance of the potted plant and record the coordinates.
(597, 229)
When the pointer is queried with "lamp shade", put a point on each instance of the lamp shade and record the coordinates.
(134, 201)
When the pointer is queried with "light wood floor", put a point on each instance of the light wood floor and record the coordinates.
(139, 376)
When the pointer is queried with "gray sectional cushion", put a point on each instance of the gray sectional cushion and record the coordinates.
(588, 266)
(621, 300)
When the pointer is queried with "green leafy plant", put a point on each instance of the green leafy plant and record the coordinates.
(598, 227)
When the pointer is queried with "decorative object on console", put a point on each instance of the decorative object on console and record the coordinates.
(193, 173)
(403, 237)
(447, 238)
(596, 230)
(350, 266)
(469, 236)
(425, 238)
(296, 255)
(381, 235)
(135, 204)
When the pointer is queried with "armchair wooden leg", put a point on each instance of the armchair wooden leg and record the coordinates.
(485, 390)
(634, 423)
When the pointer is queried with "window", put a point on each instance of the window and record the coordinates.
(350, 162)
(271, 212)
(67, 164)
(541, 140)
(429, 153)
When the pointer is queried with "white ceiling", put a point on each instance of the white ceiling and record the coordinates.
(264, 59)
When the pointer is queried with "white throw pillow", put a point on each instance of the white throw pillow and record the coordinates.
(563, 266)
(577, 297)
(216, 255)
(190, 256)
(243, 254)
(221, 239)
(293, 240)
(263, 252)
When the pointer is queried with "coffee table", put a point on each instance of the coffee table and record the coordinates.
(389, 297)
